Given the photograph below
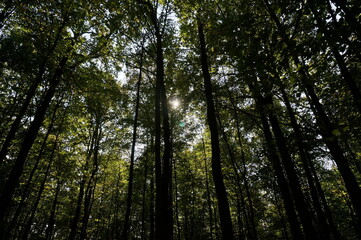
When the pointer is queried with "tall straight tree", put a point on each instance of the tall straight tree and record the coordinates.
(223, 205)
(163, 169)
(132, 154)
(324, 122)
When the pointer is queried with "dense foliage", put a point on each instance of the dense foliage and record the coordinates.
(161, 120)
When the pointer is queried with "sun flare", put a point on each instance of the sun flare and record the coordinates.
(175, 103)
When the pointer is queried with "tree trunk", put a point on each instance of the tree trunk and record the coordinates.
(151, 208)
(91, 184)
(249, 229)
(246, 184)
(281, 180)
(176, 200)
(131, 167)
(27, 143)
(76, 217)
(41, 189)
(331, 141)
(25, 191)
(325, 125)
(209, 200)
(51, 222)
(345, 73)
(223, 205)
(299, 198)
(143, 231)
(31, 92)
(163, 208)
(328, 228)
(280, 213)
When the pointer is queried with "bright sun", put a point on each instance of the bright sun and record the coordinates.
(175, 103)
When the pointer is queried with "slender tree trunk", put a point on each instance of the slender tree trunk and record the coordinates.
(31, 92)
(25, 192)
(143, 231)
(325, 125)
(151, 207)
(131, 167)
(346, 75)
(88, 203)
(209, 200)
(280, 213)
(328, 227)
(85, 183)
(299, 198)
(91, 184)
(51, 222)
(30, 136)
(250, 231)
(223, 205)
(176, 200)
(281, 180)
(76, 217)
(240, 212)
(41, 189)
(246, 184)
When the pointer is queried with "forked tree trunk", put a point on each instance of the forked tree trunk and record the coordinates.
(163, 208)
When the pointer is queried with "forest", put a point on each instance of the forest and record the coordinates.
(180, 119)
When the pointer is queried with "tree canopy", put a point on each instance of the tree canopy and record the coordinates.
(184, 120)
